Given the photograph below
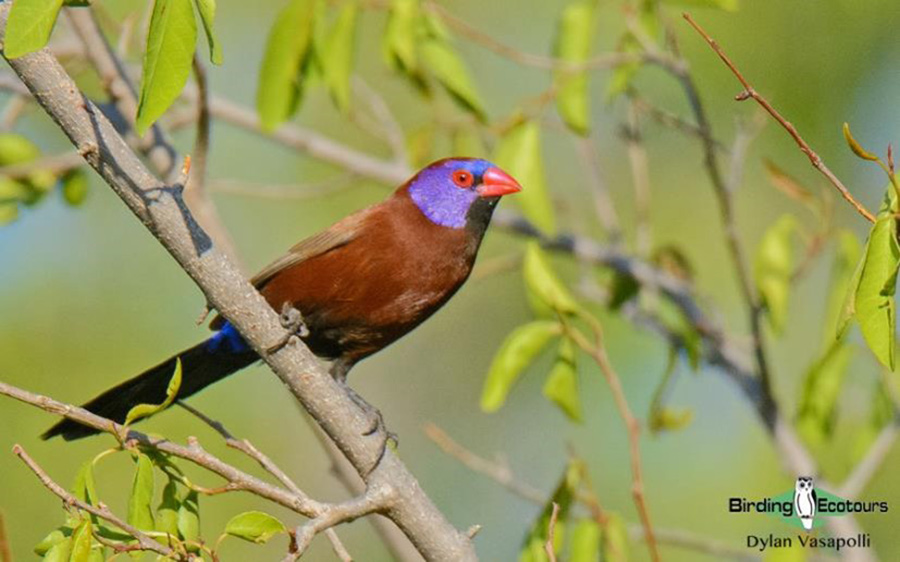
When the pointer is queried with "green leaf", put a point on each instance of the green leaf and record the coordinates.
(8, 213)
(516, 353)
(615, 539)
(563, 496)
(541, 280)
(82, 538)
(189, 517)
(773, 268)
(286, 50)
(874, 305)
(17, 149)
(561, 386)
(13, 191)
(84, 487)
(726, 5)
(400, 35)
(145, 410)
(207, 9)
(337, 60)
(519, 153)
(821, 390)
(171, 41)
(75, 187)
(29, 25)
(882, 413)
(574, 39)
(585, 545)
(59, 552)
(843, 272)
(167, 511)
(667, 418)
(55, 537)
(254, 526)
(140, 514)
(450, 70)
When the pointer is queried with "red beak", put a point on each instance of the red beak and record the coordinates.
(495, 182)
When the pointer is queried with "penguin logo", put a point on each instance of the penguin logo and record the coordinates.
(805, 501)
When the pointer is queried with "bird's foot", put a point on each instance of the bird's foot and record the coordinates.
(376, 425)
(292, 321)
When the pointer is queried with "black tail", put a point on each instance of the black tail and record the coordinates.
(200, 367)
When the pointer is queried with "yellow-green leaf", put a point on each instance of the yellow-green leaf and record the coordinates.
(563, 496)
(207, 10)
(52, 539)
(400, 35)
(8, 213)
(337, 60)
(821, 390)
(574, 39)
(773, 268)
(140, 513)
(519, 153)
(254, 526)
(287, 48)
(856, 147)
(82, 538)
(882, 413)
(144, 410)
(450, 70)
(75, 187)
(17, 149)
(189, 517)
(561, 386)
(29, 26)
(59, 552)
(843, 270)
(542, 281)
(670, 419)
(167, 511)
(171, 41)
(84, 487)
(585, 545)
(615, 539)
(517, 352)
(874, 304)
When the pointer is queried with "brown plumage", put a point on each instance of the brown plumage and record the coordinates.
(360, 284)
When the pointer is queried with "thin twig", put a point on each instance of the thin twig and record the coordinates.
(640, 176)
(857, 481)
(196, 195)
(750, 92)
(100, 511)
(499, 473)
(551, 534)
(597, 352)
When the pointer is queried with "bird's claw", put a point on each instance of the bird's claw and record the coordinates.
(376, 425)
(291, 320)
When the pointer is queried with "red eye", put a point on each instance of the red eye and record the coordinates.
(462, 178)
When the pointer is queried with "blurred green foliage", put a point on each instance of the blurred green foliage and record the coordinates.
(76, 318)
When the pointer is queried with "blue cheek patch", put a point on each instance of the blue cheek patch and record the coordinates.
(227, 339)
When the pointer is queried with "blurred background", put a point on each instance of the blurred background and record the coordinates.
(88, 297)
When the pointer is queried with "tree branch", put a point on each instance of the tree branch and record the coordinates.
(164, 213)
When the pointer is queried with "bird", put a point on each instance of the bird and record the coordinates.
(358, 285)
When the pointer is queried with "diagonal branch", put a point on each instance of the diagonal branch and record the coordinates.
(162, 210)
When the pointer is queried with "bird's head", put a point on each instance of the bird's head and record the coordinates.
(456, 192)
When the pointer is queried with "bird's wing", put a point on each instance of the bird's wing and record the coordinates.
(339, 234)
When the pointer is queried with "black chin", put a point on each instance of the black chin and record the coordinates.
(479, 215)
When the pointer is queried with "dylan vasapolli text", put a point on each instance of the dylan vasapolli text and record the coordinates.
(761, 543)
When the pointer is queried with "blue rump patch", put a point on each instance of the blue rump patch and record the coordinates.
(227, 339)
